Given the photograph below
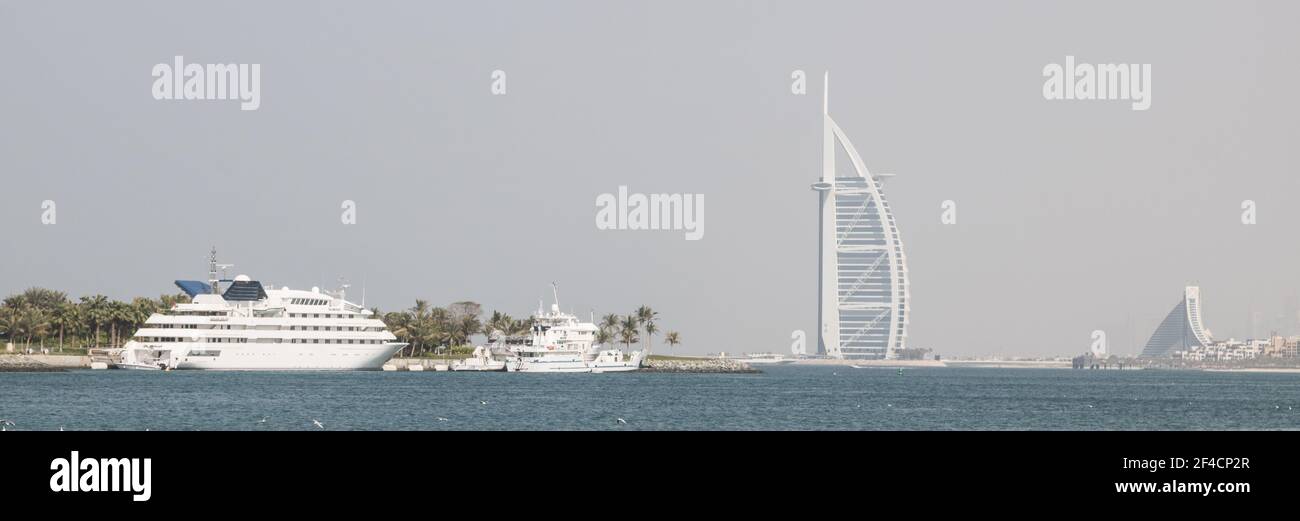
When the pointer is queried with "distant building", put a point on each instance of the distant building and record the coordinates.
(1182, 336)
(1181, 330)
(1283, 347)
(862, 296)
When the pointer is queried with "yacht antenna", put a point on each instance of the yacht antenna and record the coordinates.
(363, 291)
(555, 292)
(212, 272)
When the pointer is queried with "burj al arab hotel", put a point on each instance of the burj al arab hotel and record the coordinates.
(862, 296)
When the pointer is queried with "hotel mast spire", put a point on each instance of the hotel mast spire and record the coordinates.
(828, 134)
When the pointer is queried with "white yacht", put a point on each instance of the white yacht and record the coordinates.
(250, 327)
(559, 343)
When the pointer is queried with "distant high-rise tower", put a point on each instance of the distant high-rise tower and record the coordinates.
(862, 296)
(1182, 329)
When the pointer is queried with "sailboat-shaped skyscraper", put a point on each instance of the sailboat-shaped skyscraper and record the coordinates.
(862, 296)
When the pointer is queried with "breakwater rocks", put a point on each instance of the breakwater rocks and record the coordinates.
(25, 364)
(696, 365)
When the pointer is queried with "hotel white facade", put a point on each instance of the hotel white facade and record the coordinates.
(863, 297)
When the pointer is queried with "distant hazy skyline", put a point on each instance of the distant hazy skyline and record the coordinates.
(1073, 216)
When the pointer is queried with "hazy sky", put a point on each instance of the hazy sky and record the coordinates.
(1072, 215)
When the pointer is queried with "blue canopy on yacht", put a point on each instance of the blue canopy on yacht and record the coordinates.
(193, 287)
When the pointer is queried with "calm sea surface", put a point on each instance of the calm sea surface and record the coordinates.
(788, 397)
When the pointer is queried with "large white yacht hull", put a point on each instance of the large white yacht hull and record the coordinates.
(289, 357)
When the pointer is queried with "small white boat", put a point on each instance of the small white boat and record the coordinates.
(613, 361)
(139, 367)
(767, 359)
(143, 358)
(481, 361)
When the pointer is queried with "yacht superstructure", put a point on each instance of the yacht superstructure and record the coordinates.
(251, 327)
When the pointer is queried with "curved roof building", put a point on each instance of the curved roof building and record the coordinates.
(1181, 330)
(862, 299)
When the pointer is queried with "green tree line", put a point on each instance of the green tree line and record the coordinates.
(41, 318)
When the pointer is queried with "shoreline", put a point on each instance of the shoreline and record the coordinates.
(16, 362)
(1280, 370)
(870, 363)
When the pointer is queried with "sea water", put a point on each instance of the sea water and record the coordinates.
(781, 398)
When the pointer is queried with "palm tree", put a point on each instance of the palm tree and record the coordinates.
(95, 312)
(628, 333)
(419, 325)
(523, 326)
(43, 299)
(500, 323)
(463, 322)
(603, 337)
(469, 326)
(672, 339)
(11, 320)
(609, 323)
(399, 324)
(647, 317)
(121, 317)
(76, 326)
(650, 330)
(434, 331)
(64, 318)
(30, 322)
